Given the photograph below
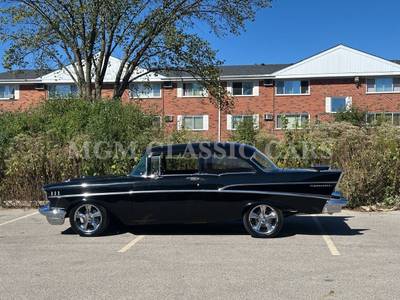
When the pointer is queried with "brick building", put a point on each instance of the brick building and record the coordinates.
(310, 90)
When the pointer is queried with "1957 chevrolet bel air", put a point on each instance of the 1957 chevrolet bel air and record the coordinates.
(195, 183)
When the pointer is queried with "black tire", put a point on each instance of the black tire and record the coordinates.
(275, 221)
(99, 225)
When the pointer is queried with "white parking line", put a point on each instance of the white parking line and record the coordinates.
(20, 218)
(328, 241)
(131, 244)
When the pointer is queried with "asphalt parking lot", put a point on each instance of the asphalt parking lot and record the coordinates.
(351, 255)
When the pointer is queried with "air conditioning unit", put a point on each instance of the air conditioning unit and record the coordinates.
(268, 82)
(268, 117)
(40, 87)
(168, 85)
(168, 119)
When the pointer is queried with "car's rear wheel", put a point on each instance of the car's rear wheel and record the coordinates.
(263, 221)
(89, 219)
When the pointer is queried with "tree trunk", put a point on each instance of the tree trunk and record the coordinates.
(119, 89)
(97, 90)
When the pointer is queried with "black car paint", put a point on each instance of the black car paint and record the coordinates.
(200, 197)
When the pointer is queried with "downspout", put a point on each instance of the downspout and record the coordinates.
(273, 108)
(219, 123)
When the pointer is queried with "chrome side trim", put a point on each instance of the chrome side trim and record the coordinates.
(280, 183)
(85, 195)
(54, 215)
(84, 185)
(90, 185)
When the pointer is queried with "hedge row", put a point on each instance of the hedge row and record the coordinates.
(72, 138)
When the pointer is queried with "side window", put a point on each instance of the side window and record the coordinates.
(226, 164)
(155, 165)
(180, 164)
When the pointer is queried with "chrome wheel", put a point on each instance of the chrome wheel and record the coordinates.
(263, 219)
(88, 218)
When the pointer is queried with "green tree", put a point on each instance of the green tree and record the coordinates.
(245, 132)
(152, 36)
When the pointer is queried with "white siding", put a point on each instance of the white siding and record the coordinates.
(339, 61)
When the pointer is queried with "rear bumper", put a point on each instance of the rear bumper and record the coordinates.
(54, 215)
(335, 203)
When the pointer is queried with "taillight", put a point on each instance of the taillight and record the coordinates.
(337, 186)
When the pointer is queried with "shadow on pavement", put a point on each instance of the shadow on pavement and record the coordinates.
(294, 225)
(307, 225)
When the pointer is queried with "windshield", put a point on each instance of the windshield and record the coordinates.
(140, 168)
(263, 161)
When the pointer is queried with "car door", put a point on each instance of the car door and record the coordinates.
(212, 205)
(163, 197)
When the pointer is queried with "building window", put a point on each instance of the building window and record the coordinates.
(233, 121)
(337, 104)
(145, 90)
(292, 87)
(156, 121)
(63, 91)
(383, 85)
(292, 121)
(379, 117)
(195, 123)
(7, 92)
(244, 88)
(193, 89)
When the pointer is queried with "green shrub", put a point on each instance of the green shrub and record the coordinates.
(245, 132)
(369, 158)
(68, 138)
(31, 162)
(354, 116)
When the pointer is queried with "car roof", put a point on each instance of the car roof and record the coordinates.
(198, 147)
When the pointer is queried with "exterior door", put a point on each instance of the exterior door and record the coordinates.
(211, 205)
(173, 182)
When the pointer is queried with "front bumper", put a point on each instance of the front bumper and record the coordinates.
(54, 215)
(335, 203)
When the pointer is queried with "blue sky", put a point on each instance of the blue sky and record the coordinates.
(292, 30)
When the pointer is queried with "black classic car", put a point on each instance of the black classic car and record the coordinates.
(195, 183)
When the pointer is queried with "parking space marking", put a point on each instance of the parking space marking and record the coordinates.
(131, 244)
(328, 241)
(19, 218)
(331, 245)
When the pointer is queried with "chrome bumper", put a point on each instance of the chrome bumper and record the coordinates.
(54, 215)
(335, 203)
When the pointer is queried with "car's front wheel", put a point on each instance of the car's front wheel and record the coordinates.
(263, 221)
(89, 219)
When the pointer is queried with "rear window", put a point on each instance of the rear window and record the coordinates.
(263, 161)
(226, 164)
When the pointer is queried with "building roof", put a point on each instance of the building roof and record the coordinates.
(236, 70)
(261, 69)
(22, 75)
(338, 61)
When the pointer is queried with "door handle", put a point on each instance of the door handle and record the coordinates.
(193, 178)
